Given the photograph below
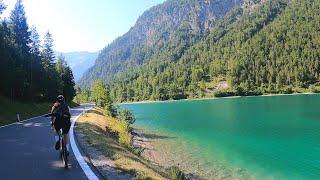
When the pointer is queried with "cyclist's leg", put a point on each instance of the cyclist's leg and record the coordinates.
(65, 130)
(57, 127)
(66, 141)
(52, 121)
(55, 130)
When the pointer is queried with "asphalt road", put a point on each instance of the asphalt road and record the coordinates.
(27, 152)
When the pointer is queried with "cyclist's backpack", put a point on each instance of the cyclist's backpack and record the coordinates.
(63, 110)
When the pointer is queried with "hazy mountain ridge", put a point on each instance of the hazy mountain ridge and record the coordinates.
(80, 61)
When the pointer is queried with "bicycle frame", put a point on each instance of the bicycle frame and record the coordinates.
(63, 148)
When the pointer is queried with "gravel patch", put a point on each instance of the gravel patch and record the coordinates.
(104, 165)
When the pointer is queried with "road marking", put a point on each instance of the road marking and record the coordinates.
(21, 121)
(83, 164)
(85, 167)
(37, 117)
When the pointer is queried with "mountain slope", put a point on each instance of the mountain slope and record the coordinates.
(167, 29)
(80, 62)
(275, 47)
(266, 46)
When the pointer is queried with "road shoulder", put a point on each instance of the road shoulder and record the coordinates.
(106, 154)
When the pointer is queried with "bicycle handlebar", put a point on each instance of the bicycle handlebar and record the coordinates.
(55, 115)
(51, 115)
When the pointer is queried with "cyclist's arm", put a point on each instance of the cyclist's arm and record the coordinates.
(53, 109)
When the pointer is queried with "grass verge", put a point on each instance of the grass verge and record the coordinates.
(9, 110)
(113, 143)
(73, 104)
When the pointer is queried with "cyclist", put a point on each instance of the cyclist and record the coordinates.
(61, 121)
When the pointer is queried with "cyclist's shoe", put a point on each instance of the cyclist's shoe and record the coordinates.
(57, 146)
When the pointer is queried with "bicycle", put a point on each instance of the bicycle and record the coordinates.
(63, 148)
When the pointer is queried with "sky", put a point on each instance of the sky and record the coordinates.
(83, 25)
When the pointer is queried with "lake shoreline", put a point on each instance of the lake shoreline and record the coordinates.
(213, 98)
(163, 159)
(154, 155)
(162, 155)
(139, 140)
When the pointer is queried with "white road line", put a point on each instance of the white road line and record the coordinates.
(85, 167)
(35, 118)
(21, 121)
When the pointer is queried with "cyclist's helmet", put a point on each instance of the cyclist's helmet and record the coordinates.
(60, 99)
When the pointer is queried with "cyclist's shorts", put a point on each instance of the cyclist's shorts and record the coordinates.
(62, 124)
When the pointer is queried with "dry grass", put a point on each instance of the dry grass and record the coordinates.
(93, 124)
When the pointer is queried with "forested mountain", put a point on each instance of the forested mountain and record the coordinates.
(29, 70)
(170, 27)
(80, 62)
(260, 46)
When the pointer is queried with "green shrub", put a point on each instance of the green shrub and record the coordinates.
(175, 173)
(110, 110)
(124, 135)
(239, 91)
(224, 93)
(138, 150)
(317, 84)
(314, 89)
(127, 116)
(287, 90)
(243, 90)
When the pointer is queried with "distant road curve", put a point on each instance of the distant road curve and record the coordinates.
(27, 151)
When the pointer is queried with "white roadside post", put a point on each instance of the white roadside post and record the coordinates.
(18, 117)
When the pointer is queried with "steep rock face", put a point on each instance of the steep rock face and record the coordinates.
(250, 6)
(172, 26)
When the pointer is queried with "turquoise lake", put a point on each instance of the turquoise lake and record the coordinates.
(276, 137)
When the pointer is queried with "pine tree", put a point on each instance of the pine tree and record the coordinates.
(69, 84)
(7, 69)
(29, 71)
(2, 7)
(47, 53)
(66, 78)
(52, 80)
(20, 29)
(35, 42)
(35, 63)
(99, 94)
(20, 37)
